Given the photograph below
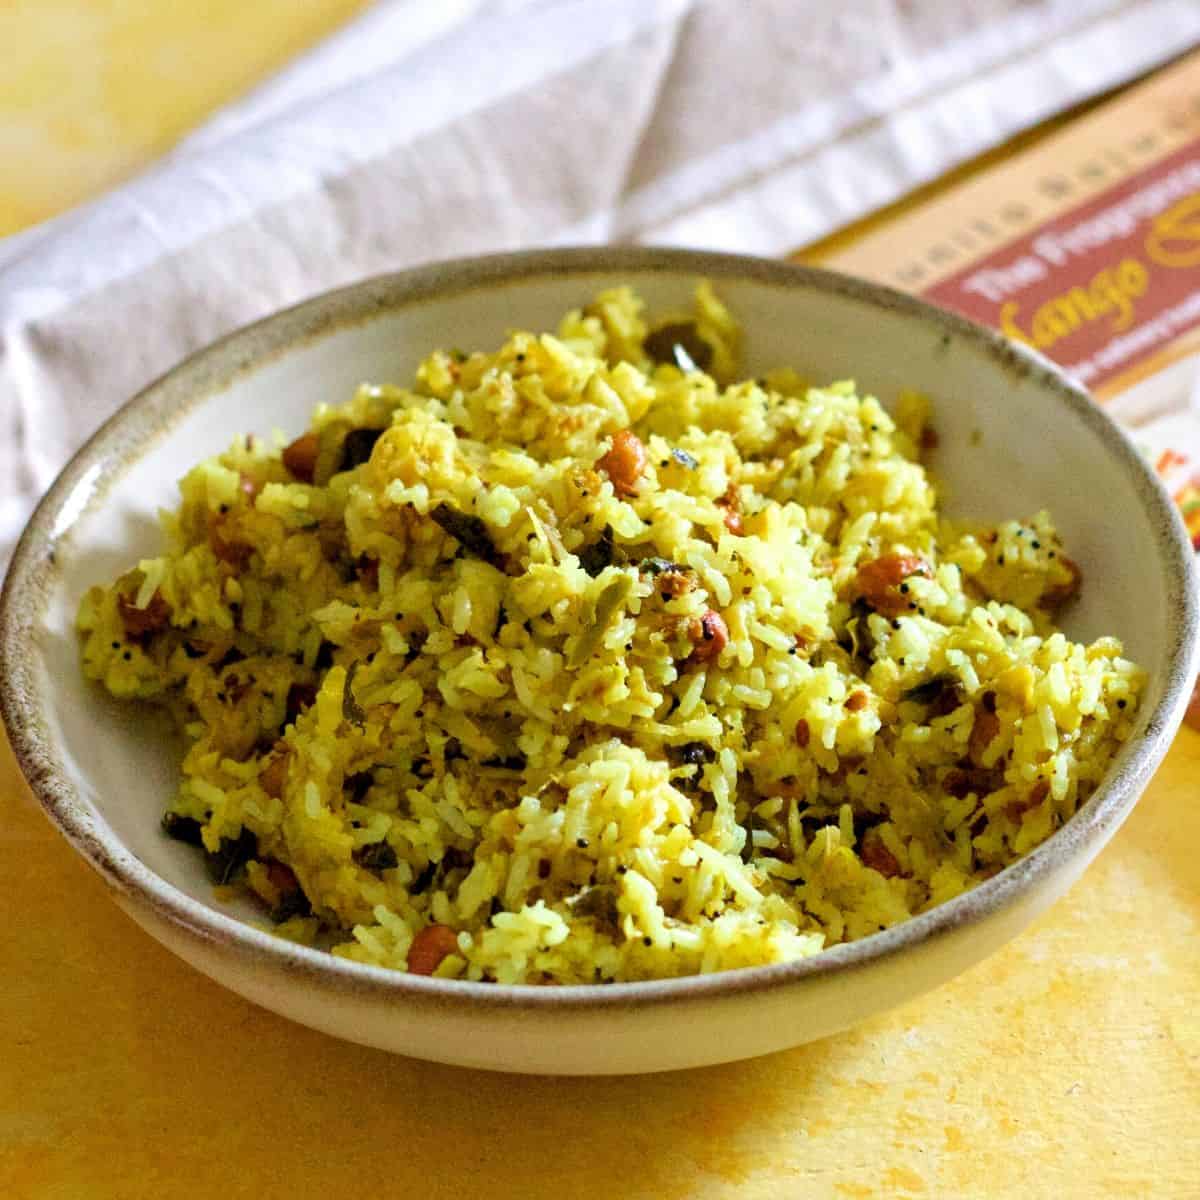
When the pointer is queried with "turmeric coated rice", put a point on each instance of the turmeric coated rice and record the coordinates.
(584, 660)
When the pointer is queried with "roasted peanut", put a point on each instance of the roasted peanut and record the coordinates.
(431, 945)
(300, 457)
(878, 582)
(711, 638)
(624, 462)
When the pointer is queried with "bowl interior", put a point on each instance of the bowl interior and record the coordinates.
(1009, 445)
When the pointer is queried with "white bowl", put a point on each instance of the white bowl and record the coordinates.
(1015, 436)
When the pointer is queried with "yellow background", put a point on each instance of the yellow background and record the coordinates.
(90, 90)
(1066, 1065)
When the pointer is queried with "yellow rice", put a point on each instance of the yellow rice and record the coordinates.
(512, 733)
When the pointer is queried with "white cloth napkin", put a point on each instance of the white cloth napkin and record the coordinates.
(424, 131)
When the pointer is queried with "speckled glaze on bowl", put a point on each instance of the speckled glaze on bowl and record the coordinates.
(1015, 436)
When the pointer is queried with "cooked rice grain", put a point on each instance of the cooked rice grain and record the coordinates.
(722, 693)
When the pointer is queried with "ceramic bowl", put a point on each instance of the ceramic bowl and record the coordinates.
(1015, 435)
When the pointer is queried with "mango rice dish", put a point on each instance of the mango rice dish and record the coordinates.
(585, 660)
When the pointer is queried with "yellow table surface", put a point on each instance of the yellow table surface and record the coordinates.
(1066, 1065)
(92, 89)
